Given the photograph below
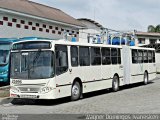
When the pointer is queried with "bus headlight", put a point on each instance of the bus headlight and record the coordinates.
(46, 90)
(14, 89)
(3, 72)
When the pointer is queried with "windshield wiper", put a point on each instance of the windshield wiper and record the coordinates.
(34, 61)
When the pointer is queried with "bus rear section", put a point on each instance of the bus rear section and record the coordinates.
(139, 64)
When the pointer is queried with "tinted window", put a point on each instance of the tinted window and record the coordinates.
(153, 56)
(61, 59)
(114, 55)
(106, 58)
(119, 56)
(84, 56)
(150, 56)
(74, 56)
(32, 45)
(145, 56)
(95, 56)
(140, 56)
(32, 65)
(134, 56)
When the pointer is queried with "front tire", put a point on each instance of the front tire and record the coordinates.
(145, 81)
(115, 84)
(75, 91)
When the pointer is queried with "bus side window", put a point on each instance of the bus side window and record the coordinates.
(95, 56)
(106, 56)
(134, 56)
(154, 57)
(61, 59)
(74, 56)
(145, 56)
(150, 56)
(84, 56)
(114, 55)
(140, 56)
(119, 56)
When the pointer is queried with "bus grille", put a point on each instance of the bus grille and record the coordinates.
(29, 89)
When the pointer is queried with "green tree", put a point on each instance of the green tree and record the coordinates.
(157, 29)
(151, 28)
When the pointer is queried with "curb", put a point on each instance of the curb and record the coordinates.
(5, 87)
(5, 100)
(4, 91)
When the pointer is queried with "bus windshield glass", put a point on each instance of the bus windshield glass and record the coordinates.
(32, 65)
(4, 53)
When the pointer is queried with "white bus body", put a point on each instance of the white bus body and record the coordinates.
(76, 68)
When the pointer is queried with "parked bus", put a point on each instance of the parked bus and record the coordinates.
(5, 47)
(51, 69)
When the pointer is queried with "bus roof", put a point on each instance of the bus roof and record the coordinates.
(65, 42)
(142, 48)
(34, 38)
(8, 40)
(12, 40)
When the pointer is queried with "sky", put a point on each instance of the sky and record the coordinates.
(114, 14)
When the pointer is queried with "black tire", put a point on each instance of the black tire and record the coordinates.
(145, 79)
(115, 84)
(76, 91)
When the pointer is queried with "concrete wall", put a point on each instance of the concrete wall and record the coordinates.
(12, 26)
(83, 34)
(147, 39)
(91, 30)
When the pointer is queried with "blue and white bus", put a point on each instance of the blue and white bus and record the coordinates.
(5, 47)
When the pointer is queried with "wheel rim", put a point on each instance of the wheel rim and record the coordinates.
(145, 78)
(75, 90)
(115, 83)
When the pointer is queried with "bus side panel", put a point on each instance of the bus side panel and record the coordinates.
(157, 55)
(151, 70)
(97, 85)
(126, 56)
(137, 72)
(89, 75)
(107, 73)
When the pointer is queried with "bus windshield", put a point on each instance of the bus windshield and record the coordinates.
(4, 54)
(32, 65)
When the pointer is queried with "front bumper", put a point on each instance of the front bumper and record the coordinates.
(50, 95)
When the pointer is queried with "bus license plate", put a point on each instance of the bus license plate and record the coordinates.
(28, 96)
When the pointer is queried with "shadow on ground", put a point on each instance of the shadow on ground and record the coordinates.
(3, 84)
(67, 99)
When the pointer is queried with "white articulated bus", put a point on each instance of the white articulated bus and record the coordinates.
(51, 69)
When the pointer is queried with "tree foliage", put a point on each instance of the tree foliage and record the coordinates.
(152, 28)
(157, 29)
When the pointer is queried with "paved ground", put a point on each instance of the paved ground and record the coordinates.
(138, 99)
(4, 91)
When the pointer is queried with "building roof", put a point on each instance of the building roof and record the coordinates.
(92, 21)
(39, 10)
(151, 34)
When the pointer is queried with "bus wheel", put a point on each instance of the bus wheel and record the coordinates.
(115, 83)
(75, 91)
(145, 78)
